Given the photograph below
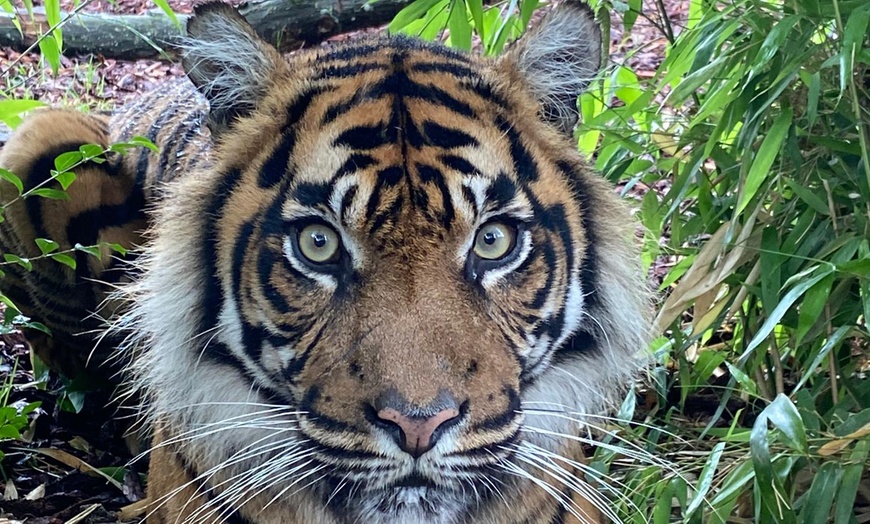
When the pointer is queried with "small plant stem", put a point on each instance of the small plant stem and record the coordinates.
(666, 21)
(761, 381)
(832, 360)
(776, 360)
(831, 207)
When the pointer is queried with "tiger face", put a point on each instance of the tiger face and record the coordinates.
(395, 291)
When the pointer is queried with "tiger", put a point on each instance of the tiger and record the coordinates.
(372, 282)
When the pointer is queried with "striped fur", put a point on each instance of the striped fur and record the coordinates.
(260, 369)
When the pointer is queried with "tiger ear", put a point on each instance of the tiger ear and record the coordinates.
(228, 62)
(558, 59)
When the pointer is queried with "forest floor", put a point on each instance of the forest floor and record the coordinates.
(71, 464)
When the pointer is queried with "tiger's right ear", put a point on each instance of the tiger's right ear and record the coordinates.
(228, 62)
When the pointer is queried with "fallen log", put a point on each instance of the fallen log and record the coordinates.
(289, 24)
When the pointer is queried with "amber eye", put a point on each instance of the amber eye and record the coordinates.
(319, 243)
(494, 240)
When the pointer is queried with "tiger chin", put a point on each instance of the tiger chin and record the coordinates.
(378, 283)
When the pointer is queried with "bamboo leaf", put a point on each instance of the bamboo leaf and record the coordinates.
(763, 161)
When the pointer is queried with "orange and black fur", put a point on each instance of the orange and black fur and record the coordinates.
(379, 283)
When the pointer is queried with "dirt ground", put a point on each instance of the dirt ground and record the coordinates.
(49, 476)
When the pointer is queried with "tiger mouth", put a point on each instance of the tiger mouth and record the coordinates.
(414, 481)
(413, 498)
(415, 492)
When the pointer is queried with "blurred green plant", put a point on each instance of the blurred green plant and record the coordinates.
(754, 133)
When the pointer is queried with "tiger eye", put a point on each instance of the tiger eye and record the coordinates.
(319, 243)
(494, 241)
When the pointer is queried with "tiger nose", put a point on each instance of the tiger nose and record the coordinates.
(416, 431)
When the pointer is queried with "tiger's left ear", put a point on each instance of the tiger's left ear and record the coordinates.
(228, 62)
(557, 59)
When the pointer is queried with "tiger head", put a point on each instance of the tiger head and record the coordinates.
(396, 290)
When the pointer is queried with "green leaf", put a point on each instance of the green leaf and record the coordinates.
(476, 9)
(64, 259)
(39, 327)
(91, 250)
(21, 261)
(743, 379)
(9, 432)
(67, 160)
(853, 423)
(767, 486)
(90, 151)
(50, 49)
(691, 83)
(774, 40)
(705, 481)
(10, 177)
(52, 16)
(853, 36)
(635, 7)
(164, 5)
(776, 315)
(812, 306)
(64, 178)
(810, 198)
(814, 88)
(46, 246)
(412, 12)
(118, 248)
(783, 414)
(53, 194)
(767, 153)
(144, 142)
(835, 338)
(11, 110)
(460, 29)
(844, 508)
(820, 496)
(527, 9)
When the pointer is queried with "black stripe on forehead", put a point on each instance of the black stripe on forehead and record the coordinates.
(335, 72)
(457, 163)
(275, 167)
(399, 85)
(447, 137)
(524, 164)
(501, 192)
(430, 175)
(386, 178)
(365, 137)
(312, 194)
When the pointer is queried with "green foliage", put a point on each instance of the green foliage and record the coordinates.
(13, 419)
(460, 19)
(756, 125)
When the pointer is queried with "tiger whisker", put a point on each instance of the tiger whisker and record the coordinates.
(636, 453)
(533, 449)
(548, 488)
(248, 453)
(243, 479)
(222, 425)
(341, 484)
(570, 482)
(239, 494)
(566, 410)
